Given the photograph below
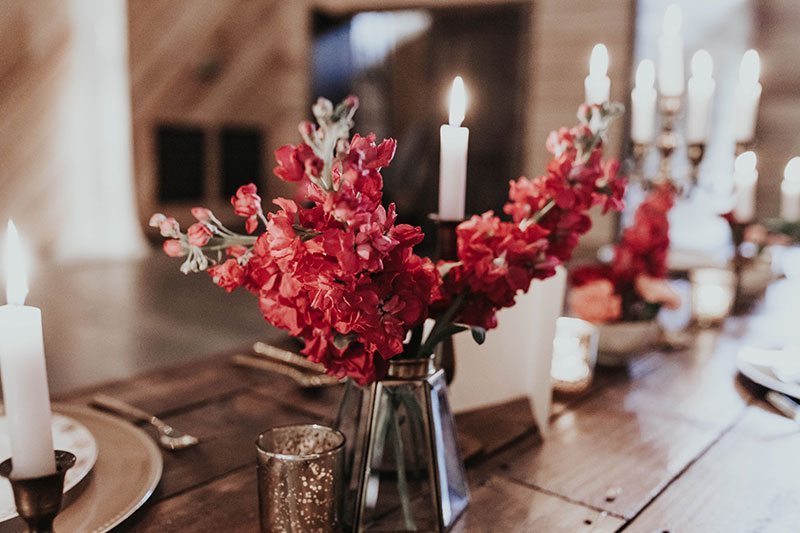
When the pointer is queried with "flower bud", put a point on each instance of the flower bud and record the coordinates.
(199, 234)
(174, 248)
(351, 101)
(156, 220)
(169, 227)
(323, 108)
(202, 214)
(307, 129)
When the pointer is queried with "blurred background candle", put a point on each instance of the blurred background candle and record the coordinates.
(670, 53)
(713, 294)
(25, 392)
(745, 176)
(453, 156)
(790, 191)
(597, 85)
(574, 355)
(748, 95)
(701, 93)
(643, 104)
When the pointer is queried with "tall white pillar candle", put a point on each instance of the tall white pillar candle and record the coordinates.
(790, 191)
(22, 366)
(701, 93)
(748, 96)
(745, 177)
(670, 53)
(597, 85)
(453, 157)
(643, 104)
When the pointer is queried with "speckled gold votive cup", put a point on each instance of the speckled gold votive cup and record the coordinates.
(300, 478)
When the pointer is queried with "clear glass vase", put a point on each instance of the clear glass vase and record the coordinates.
(402, 462)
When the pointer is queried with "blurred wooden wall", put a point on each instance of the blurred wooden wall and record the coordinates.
(778, 131)
(215, 63)
(34, 69)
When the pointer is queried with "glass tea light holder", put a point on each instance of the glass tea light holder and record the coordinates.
(713, 295)
(300, 478)
(574, 355)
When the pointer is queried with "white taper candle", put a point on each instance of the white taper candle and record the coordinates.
(22, 366)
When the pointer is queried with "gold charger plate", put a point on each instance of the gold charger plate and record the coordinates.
(128, 468)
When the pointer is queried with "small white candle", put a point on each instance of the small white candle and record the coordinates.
(569, 364)
(22, 366)
(670, 53)
(713, 292)
(597, 84)
(701, 93)
(643, 104)
(453, 157)
(790, 191)
(745, 176)
(748, 95)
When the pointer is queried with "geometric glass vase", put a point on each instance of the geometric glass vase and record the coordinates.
(403, 468)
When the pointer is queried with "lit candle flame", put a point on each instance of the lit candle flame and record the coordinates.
(598, 64)
(458, 102)
(16, 278)
(702, 65)
(645, 74)
(673, 18)
(792, 171)
(745, 163)
(750, 68)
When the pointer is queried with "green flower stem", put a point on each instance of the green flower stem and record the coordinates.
(400, 463)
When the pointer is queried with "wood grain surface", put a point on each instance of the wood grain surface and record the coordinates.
(675, 442)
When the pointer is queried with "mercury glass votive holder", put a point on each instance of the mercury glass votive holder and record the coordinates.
(713, 295)
(300, 478)
(574, 355)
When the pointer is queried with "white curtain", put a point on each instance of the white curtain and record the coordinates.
(94, 142)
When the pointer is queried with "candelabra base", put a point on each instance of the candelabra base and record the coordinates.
(39, 499)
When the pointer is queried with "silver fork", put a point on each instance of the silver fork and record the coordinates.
(168, 437)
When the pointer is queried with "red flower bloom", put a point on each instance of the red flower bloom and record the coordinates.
(295, 161)
(644, 245)
(337, 271)
(228, 275)
(246, 203)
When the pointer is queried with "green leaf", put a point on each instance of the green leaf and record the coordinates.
(479, 334)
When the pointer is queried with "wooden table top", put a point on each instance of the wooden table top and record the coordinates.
(675, 443)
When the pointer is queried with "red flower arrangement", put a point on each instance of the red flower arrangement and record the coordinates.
(339, 273)
(633, 286)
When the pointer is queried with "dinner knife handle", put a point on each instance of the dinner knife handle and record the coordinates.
(121, 408)
(782, 403)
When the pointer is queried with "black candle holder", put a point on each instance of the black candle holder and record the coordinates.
(446, 250)
(39, 499)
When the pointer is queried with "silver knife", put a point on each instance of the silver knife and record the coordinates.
(787, 407)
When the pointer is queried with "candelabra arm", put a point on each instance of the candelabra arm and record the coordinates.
(695, 153)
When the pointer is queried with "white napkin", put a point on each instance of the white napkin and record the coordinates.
(515, 359)
(786, 366)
